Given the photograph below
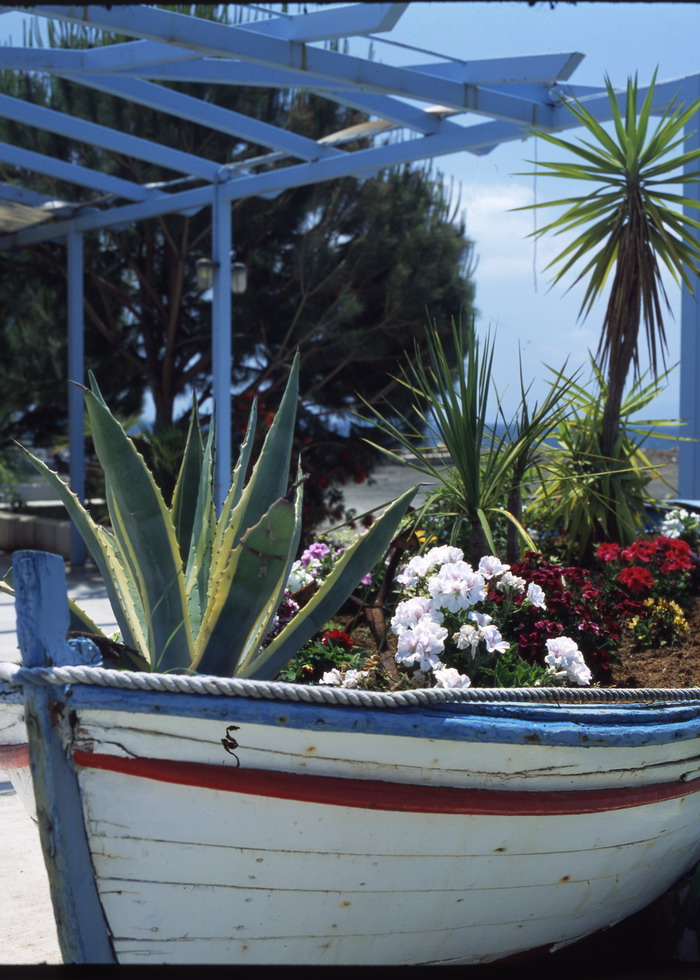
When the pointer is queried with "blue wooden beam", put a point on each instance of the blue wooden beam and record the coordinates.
(536, 69)
(205, 114)
(312, 65)
(547, 69)
(109, 139)
(23, 195)
(221, 342)
(598, 104)
(76, 378)
(322, 25)
(92, 219)
(72, 173)
(479, 139)
(689, 410)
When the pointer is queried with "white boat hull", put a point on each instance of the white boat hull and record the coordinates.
(305, 844)
(204, 820)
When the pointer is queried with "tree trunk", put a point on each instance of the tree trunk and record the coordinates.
(618, 370)
(513, 538)
(478, 546)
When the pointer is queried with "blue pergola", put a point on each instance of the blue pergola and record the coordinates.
(432, 108)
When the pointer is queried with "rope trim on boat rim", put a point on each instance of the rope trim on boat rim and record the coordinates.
(354, 697)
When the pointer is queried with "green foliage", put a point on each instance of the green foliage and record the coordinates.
(334, 650)
(485, 471)
(588, 497)
(661, 623)
(510, 670)
(195, 591)
(629, 225)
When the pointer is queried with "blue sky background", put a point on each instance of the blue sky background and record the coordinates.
(513, 295)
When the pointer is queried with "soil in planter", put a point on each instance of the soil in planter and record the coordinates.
(667, 666)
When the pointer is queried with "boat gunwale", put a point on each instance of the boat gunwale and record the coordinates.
(610, 723)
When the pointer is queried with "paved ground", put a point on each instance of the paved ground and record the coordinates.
(27, 931)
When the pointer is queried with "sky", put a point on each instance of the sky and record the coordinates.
(513, 294)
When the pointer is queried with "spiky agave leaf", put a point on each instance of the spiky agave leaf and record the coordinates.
(144, 531)
(184, 501)
(249, 590)
(101, 546)
(332, 593)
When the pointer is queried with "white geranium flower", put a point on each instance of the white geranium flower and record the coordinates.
(467, 637)
(564, 659)
(299, 576)
(422, 645)
(673, 524)
(481, 619)
(352, 678)
(490, 566)
(412, 611)
(417, 568)
(450, 677)
(443, 554)
(493, 640)
(535, 595)
(332, 677)
(456, 586)
(510, 581)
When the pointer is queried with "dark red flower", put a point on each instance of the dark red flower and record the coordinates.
(636, 579)
(339, 637)
(639, 551)
(607, 551)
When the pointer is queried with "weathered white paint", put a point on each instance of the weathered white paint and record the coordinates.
(13, 734)
(478, 765)
(189, 875)
(350, 881)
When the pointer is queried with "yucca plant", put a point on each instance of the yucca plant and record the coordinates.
(485, 468)
(630, 225)
(586, 496)
(195, 591)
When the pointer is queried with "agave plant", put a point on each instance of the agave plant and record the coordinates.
(196, 591)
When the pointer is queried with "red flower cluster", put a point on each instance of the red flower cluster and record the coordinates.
(339, 637)
(608, 552)
(659, 566)
(636, 579)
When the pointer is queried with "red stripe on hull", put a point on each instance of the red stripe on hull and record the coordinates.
(373, 794)
(14, 756)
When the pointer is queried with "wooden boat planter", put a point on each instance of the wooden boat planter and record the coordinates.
(195, 819)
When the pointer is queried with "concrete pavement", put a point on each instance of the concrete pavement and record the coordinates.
(27, 927)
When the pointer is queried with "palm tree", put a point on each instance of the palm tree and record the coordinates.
(630, 225)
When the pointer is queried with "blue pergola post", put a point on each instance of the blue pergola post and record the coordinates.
(689, 453)
(76, 376)
(221, 342)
